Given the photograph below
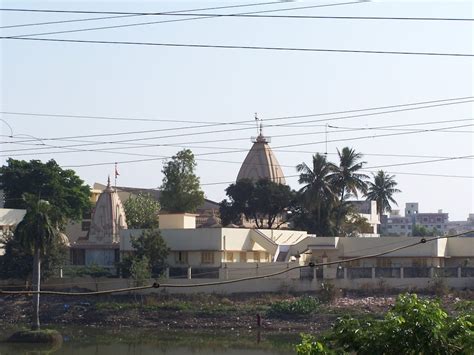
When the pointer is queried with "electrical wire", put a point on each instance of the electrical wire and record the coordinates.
(218, 283)
(139, 146)
(244, 150)
(234, 47)
(194, 18)
(130, 14)
(244, 128)
(119, 118)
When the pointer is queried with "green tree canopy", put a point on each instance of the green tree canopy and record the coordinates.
(422, 231)
(66, 193)
(180, 190)
(149, 245)
(382, 190)
(318, 195)
(142, 212)
(36, 233)
(262, 202)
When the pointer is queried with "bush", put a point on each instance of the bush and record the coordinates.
(328, 293)
(309, 346)
(412, 326)
(301, 306)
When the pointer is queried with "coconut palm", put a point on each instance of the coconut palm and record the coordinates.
(318, 191)
(382, 190)
(36, 232)
(347, 178)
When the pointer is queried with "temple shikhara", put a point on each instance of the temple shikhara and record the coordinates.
(261, 162)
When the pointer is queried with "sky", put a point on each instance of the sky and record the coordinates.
(169, 90)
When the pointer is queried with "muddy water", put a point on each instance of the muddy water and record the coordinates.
(101, 341)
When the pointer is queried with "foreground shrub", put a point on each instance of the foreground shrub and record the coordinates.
(412, 326)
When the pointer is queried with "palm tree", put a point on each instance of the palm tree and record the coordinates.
(382, 190)
(347, 179)
(318, 191)
(36, 232)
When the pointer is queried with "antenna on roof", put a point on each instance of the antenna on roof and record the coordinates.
(256, 121)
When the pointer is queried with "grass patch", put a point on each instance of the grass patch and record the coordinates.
(302, 306)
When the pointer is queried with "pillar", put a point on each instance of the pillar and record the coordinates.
(189, 273)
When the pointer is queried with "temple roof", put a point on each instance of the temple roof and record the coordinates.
(108, 218)
(261, 163)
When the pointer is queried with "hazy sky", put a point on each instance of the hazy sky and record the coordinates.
(230, 85)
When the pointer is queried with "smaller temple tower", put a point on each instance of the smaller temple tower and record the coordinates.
(260, 162)
(108, 218)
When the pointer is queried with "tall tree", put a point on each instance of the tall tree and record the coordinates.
(318, 193)
(347, 178)
(181, 191)
(142, 212)
(37, 233)
(151, 247)
(382, 190)
(264, 202)
(63, 189)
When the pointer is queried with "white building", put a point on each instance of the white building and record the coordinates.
(9, 219)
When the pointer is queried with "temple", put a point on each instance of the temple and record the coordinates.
(101, 245)
(260, 162)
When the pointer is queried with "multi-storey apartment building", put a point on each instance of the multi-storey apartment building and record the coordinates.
(398, 225)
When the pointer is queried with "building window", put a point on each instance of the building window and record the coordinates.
(243, 257)
(402, 226)
(207, 257)
(384, 262)
(78, 257)
(181, 257)
(354, 263)
(85, 226)
(229, 256)
(256, 256)
(389, 226)
(438, 226)
(419, 262)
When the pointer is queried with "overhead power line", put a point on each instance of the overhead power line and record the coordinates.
(219, 152)
(253, 48)
(194, 18)
(297, 17)
(120, 118)
(407, 108)
(128, 145)
(149, 13)
(122, 15)
(225, 282)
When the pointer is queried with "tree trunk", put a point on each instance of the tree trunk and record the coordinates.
(339, 210)
(37, 288)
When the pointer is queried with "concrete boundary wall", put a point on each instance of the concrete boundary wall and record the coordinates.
(250, 286)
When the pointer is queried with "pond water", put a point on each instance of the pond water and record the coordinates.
(100, 341)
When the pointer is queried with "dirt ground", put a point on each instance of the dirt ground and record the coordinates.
(195, 312)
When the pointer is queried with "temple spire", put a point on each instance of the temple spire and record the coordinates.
(260, 162)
